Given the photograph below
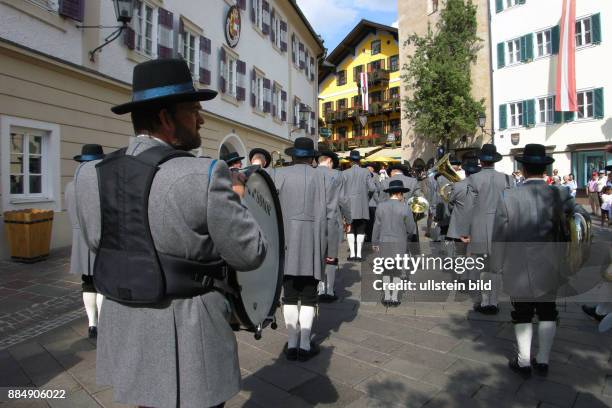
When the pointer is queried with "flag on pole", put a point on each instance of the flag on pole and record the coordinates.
(363, 79)
(566, 65)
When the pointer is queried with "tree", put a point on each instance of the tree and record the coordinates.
(438, 78)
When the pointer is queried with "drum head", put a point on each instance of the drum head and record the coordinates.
(259, 289)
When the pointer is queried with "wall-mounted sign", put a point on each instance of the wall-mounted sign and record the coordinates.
(325, 132)
(515, 138)
(233, 23)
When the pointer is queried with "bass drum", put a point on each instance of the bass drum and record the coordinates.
(255, 294)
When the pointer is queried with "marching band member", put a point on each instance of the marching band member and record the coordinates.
(393, 229)
(261, 157)
(81, 258)
(461, 207)
(180, 351)
(532, 213)
(233, 160)
(359, 185)
(400, 172)
(484, 190)
(338, 214)
(374, 199)
(301, 192)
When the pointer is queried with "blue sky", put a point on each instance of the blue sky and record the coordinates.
(334, 19)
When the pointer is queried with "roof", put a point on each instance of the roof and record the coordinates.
(307, 24)
(348, 44)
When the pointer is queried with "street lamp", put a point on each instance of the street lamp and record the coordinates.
(482, 120)
(303, 115)
(124, 11)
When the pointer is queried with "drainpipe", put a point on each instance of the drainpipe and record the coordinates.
(492, 99)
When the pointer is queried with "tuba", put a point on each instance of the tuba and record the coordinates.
(444, 168)
(579, 228)
(279, 161)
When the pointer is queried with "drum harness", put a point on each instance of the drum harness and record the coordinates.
(128, 268)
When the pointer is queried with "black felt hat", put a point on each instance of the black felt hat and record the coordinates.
(396, 186)
(419, 164)
(354, 155)
(263, 152)
(231, 158)
(470, 165)
(405, 170)
(162, 81)
(488, 153)
(302, 147)
(331, 155)
(90, 152)
(453, 160)
(534, 154)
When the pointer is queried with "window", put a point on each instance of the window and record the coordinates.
(357, 129)
(257, 4)
(394, 63)
(294, 49)
(51, 5)
(142, 23)
(278, 32)
(341, 132)
(511, 3)
(516, 114)
(296, 111)
(585, 105)
(231, 73)
(327, 107)
(546, 110)
(27, 156)
(188, 50)
(377, 128)
(341, 104)
(375, 47)
(543, 39)
(341, 78)
(375, 96)
(259, 93)
(513, 48)
(394, 93)
(357, 73)
(277, 102)
(583, 32)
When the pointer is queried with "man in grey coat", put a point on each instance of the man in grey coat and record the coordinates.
(374, 198)
(359, 187)
(338, 214)
(484, 190)
(461, 207)
(400, 172)
(81, 257)
(301, 191)
(182, 350)
(529, 245)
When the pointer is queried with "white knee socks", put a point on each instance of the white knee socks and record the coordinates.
(394, 292)
(351, 242)
(524, 333)
(386, 281)
(89, 300)
(360, 239)
(306, 318)
(291, 315)
(330, 272)
(546, 335)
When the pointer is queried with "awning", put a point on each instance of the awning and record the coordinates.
(395, 154)
(363, 151)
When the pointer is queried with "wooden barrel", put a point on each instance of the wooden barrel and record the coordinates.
(29, 233)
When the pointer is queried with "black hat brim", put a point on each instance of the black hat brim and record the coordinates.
(233, 160)
(471, 169)
(405, 171)
(259, 150)
(291, 151)
(535, 160)
(490, 158)
(80, 159)
(396, 190)
(199, 95)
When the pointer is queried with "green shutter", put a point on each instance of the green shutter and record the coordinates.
(596, 28)
(521, 1)
(555, 34)
(558, 116)
(501, 59)
(499, 5)
(598, 103)
(568, 116)
(530, 104)
(523, 49)
(503, 117)
(529, 47)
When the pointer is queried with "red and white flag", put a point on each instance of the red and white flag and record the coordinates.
(566, 65)
(363, 80)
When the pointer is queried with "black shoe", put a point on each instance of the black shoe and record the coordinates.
(351, 259)
(524, 372)
(396, 303)
(486, 310)
(591, 311)
(539, 368)
(305, 355)
(93, 332)
(331, 298)
(291, 353)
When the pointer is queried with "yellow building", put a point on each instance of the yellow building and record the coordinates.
(369, 48)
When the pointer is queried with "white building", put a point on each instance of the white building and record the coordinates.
(525, 38)
(54, 98)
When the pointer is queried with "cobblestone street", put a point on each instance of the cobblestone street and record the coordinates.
(420, 354)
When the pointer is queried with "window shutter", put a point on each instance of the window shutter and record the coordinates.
(598, 103)
(503, 117)
(501, 55)
(240, 89)
(129, 38)
(295, 119)
(74, 9)
(222, 62)
(303, 124)
(306, 66)
(181, 32)
(284, 106)
(558, 116)
(165, 21)
(596, 28)
(266, 87)
(312, 69)
(205, 51)
(293, 50)
(529, 108)
(253, 5)
(568, 116)
(499, 6)
(274, 99)
(555, 38)
(283, 28)
(273, 33)
(527, 48)
(242, 4)
(301, 48)
(265, 18)
(312, 121)
(253, 88)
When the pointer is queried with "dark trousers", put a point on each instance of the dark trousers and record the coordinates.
(370, 227)
(525, 311)
(87, 285)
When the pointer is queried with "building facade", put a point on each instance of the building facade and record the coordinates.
(54, 97)
(358, 117)
(415, 16)
(526, 34)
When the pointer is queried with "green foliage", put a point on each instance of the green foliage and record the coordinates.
(437, 77)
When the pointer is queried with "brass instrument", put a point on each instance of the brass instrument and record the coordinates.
(580, 240)
(444, 168)
(418, 205)
(279, 161)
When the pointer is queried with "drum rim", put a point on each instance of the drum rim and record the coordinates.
(239, 306)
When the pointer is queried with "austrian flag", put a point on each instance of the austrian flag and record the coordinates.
(363, 81)
(566, 65)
